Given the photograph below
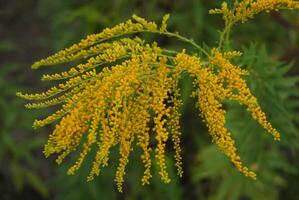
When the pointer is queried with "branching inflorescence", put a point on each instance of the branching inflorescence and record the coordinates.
(123, 85)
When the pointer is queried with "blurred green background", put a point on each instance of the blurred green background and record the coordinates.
(32, 29)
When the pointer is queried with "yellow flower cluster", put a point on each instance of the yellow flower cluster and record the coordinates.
(219, 81)
(236, 89)
(246, 9)
(127, 92)
(227, 83)
(88, 46)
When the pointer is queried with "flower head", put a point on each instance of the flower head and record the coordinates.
(246, 9)
(126, 91)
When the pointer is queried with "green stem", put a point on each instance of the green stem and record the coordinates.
(224, 37)
(169, 34)
(184, 39)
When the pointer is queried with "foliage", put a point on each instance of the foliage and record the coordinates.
(52, 24)
(20, 160)
(278, 96)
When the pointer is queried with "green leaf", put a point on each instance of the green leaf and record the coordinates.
(36, 182)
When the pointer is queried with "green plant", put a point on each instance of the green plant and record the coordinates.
(278, 95)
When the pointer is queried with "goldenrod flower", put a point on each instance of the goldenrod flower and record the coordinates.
(124, 85)
(246, 9)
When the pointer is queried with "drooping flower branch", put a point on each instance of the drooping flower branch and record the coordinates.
(124, 84)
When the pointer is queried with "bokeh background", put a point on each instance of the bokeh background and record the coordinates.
(32, 29)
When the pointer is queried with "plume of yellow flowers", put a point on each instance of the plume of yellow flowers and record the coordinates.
(125, 91)
(246, 9)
